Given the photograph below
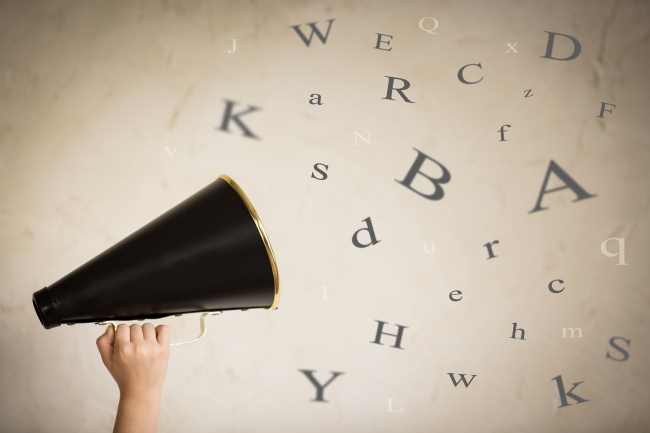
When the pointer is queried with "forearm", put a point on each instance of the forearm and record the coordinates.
(138, 413)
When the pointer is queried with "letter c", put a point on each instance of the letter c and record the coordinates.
(461, 73)
(550, 286)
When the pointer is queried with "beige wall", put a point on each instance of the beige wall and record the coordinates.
(108, 113)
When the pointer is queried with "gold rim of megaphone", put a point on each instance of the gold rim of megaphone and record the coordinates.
(251, 210)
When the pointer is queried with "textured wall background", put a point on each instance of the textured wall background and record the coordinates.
(108, 118)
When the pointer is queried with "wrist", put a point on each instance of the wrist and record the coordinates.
(138, 410)
(145, 396)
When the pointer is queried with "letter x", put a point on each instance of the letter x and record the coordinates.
(511, 48)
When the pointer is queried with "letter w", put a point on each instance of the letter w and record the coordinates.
(314, 30)
(462, 379)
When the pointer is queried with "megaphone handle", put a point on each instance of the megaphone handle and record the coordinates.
(202, 328)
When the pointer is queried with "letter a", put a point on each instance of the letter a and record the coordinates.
(438, 193)
(315, 99)
(568, 183)
(314, 30)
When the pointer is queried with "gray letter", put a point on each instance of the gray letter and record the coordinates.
(461, 74)
(603, 109)
(455, 293)
(315, 30)
(568, 181)
(514, 331)
(462, 379)
(564, 395)
(320, 388)
(227, 115)
(320, 171)
(549, 47)
(391, 87)
(502, 131)
(380, 41)
(315, 99)
(380, 332)
(625, 353)
(550, 286)
(438, 193)
(488, 245)
(371, 232)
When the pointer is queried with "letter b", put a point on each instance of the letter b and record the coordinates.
(438, 192)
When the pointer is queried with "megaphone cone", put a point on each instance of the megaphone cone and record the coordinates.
(208, 253)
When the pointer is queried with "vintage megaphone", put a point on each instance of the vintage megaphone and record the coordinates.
(207, 254)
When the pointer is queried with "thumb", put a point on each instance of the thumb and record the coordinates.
(105, 344)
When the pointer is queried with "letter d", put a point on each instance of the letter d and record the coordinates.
(371, 232)
(549, 46)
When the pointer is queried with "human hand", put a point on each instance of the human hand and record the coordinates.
(136, 356)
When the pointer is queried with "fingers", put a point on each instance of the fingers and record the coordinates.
(149, 332)
(136, 333)
(123, 336)
(162, 334)
(105, 344)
